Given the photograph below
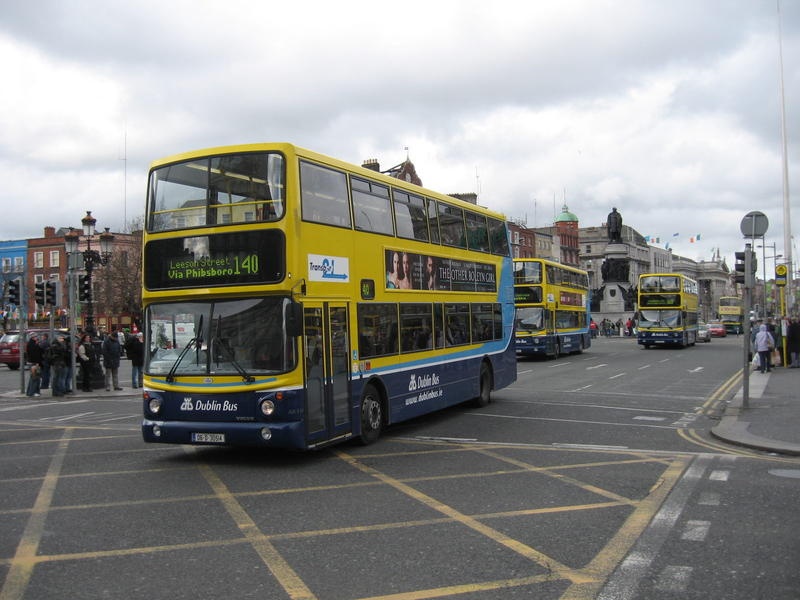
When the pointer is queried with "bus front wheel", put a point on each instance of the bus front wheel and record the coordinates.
(371, 415)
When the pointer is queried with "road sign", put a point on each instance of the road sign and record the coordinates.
(754, 224)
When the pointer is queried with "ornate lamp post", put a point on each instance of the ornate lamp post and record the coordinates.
(91, 258)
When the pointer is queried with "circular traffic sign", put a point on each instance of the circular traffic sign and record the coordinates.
(780, 270)
(754, 224)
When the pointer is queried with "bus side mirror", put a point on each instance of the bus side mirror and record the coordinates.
(294, 319)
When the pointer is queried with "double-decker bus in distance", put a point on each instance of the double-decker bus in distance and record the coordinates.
(731, 313)
(668, 305)
(552, 300)
(294, 300)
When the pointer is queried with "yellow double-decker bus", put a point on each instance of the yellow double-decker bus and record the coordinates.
(667, 310)
(552, 315)
(731, 313)
(295, 300)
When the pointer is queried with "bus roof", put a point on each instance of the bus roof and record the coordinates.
(290, 149)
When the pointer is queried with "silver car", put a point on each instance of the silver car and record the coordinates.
(703, 334)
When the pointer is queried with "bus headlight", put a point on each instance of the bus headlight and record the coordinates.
(267, 408)
(266, 434)
(154, 406)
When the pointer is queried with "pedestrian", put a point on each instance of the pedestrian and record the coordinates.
(86, 360)
(35, 357)
(58, 357)
(777, 339)
(112, 353)
(134, 350)
(764, 344)
(793, 342)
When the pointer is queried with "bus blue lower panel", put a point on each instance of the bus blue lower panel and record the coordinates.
(226, 418)
(281, 435)
(420, 388)
(412, 390)
(663, 338)
(546, 345)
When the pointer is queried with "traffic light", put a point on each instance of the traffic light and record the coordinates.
(41, 299)
(740, 267)
(745, 268)
(51, 293)
(750, 267)
(14, 291)
(84, 288)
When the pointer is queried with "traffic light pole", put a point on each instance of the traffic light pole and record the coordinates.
(23, 331)
(746, 345)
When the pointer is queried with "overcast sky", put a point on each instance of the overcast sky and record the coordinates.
(667, 110)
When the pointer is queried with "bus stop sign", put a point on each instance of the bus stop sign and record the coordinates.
(780, 275)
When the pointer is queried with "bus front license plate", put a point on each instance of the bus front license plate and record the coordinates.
(209, 438)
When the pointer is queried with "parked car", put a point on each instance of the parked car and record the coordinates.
(9, 345)
(717, 329)
(9, 349)
(703, 335)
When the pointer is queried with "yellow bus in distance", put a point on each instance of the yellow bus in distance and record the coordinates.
(667, 310)
(731, 313)
(552, 308)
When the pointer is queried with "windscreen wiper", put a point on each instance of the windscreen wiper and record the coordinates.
(217, 342)
(197, 342)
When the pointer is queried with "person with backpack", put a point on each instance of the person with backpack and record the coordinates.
(86, 358)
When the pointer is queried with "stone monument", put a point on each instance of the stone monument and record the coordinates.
(616, 292)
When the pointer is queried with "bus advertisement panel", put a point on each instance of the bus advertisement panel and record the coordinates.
(668, 305)
(552, 308)
(294, 300)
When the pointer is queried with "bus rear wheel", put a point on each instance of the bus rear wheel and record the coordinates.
(371, 415)
(485, 391)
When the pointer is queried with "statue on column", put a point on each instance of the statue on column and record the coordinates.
(614, 224)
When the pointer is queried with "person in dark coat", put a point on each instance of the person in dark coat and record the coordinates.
(85, 354)
(134, 350)
(35, 357)
(58, 357)
(793, 342)
(112, 353)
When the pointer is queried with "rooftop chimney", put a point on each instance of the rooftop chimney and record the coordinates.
(372, 164)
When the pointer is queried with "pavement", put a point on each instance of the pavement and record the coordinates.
(771, 419)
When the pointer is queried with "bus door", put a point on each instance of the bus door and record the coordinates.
(327, 370)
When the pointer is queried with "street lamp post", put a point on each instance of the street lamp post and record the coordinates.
(92, 258)
(88, 259)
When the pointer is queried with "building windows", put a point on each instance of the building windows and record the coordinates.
(55, 257)
(38, 260)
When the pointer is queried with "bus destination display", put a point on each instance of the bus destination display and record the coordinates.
(224, 259)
